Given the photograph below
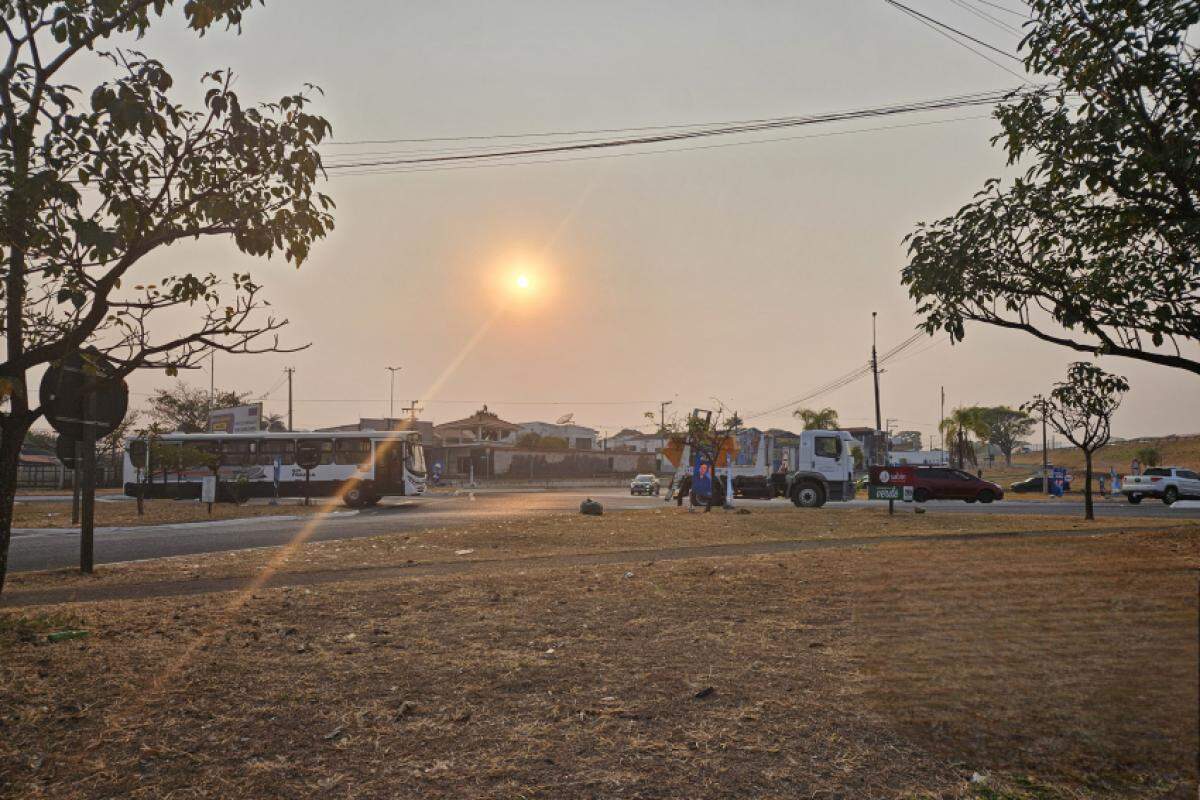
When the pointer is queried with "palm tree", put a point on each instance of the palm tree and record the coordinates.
(825, 419)
(956, 431)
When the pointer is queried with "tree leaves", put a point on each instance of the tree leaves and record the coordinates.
(1097, 246)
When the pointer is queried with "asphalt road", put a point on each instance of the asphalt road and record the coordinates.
(36, 550)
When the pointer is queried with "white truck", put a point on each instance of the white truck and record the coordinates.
(1166, 483)
(809, 468)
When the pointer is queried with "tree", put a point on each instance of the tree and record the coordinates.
(186, 408)
(274, 423)
(825, 419)
(553, 443)
(1096, 247)
(91, 183)
(529, 439)
(1004, 427)
(1081, 409)
(907, 441)
(1148, 456)
(957, 430)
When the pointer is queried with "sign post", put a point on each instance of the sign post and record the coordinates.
(84, 398)
(308, 456)
(139, 456)
(276, 468)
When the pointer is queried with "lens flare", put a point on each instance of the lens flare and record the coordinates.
(522, 281)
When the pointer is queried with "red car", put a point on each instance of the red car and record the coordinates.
(945, 483)
(937, 483)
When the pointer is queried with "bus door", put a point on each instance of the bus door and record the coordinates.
(389, 466)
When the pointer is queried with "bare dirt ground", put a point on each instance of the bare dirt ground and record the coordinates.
(556, 534)
(158, 512)
(1058, 667)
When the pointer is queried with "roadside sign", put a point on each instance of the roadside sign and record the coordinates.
(876, 492)
(208, 489)
(82, 395)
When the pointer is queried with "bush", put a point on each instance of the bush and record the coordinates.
(1149, 456)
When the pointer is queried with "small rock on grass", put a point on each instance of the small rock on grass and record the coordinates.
(703, 693)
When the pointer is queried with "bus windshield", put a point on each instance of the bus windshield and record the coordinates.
(416, 458)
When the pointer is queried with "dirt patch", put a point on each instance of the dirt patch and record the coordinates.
(1065, 665)
(554, 534)
(158, 512)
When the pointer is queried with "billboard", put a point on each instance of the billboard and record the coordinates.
(239, 419)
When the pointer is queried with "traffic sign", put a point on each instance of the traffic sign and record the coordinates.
(83, 394)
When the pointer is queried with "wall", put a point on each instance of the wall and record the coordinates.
(522, 463)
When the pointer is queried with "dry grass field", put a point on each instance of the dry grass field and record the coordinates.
(158, 512)
(1053, 667)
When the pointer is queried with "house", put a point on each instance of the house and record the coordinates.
(577, 437)
(633, 441)
(467, 447)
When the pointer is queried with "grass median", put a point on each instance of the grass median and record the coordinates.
(123, 513)
(1050, 668)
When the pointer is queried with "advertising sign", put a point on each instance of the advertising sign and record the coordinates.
(1058, 481)
(239, 419)
(208, 489)
(894, 482)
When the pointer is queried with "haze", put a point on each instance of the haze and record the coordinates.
(744, 273)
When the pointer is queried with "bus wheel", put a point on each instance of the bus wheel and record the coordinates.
(354, 497)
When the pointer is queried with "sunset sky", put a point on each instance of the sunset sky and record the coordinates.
(744, 273)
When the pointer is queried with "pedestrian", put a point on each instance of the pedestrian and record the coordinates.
(1103, 479)
(1135, 467)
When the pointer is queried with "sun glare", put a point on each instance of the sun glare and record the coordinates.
(522, 281)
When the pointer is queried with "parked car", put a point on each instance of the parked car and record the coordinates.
(1034, 484)
(944, 483)
(1167, 483)
(644, 484)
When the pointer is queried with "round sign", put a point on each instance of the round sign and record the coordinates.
(82, 394)
(884, 476)
(308, 454)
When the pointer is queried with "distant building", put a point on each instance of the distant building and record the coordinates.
(577, 437)
(387, 424)
(632, 441)
(467, 447)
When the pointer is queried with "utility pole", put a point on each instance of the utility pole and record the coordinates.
(392, 403)
(290, 371)
(941, 418)
(875, 372)
(1045, 454)
(878, 415)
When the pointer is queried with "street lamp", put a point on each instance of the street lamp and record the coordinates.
(392, 400)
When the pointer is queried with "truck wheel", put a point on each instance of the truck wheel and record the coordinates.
(1170, 495)
(353, 497)
(808, 495)
(1134, 499)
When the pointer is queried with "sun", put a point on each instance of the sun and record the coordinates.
(522, 281)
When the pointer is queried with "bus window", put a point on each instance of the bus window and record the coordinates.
(284, 448)
(238, 452)
(326, 446)
(352, 451)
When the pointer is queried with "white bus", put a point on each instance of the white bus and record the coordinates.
(361, 467)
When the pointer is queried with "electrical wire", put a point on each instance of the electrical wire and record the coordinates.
(999, 7)
(986, 17)
(958, 101)
(919, 18)
(931, 20)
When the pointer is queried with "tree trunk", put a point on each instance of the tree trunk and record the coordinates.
(12, 434)
(1088, 512)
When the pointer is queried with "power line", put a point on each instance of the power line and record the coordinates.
(986, 17)
(663, 151)
(940, 32)
(933, 21)
(999, 7)
(946, 103)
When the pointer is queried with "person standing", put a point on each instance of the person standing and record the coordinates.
(1135, 467)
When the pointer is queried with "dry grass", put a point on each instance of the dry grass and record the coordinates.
(1176, 451)
(1066, 665)
(558, 534)
(158, 512)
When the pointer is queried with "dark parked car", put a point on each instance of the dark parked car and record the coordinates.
(644, 484)
(944, 483)
(1034, 484)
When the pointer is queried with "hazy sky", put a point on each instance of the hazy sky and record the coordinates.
(744, 273)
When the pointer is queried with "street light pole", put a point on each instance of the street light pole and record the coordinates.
(392, 401)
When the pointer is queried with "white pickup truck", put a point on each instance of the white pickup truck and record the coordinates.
(1167, 483)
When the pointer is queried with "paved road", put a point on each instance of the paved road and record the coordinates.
(34, 550)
